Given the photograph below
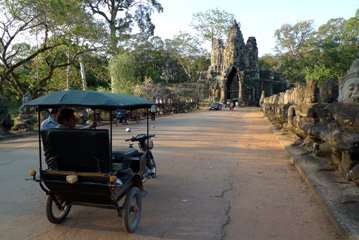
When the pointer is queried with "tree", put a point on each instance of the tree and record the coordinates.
(149, 90)
(212, 24)
(123, 70)
(186, 49)
(121, 17)
(352, 29)
(268, 62)
(149, 56)
(42, 24)
(293, 39)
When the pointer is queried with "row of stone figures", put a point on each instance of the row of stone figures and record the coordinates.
(326, 118)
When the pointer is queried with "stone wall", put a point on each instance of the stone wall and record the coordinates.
(327, 125)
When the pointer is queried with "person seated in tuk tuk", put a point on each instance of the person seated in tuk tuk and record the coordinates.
(51, 121)
(66, 119)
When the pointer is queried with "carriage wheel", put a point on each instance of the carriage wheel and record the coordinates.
(131, 210)
(54, 213)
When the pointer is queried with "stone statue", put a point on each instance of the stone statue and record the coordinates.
(342, 144)
(25, 109)
(296, 110)
(26, 119)
(317, 128)
(5, 120)
(349, 86)
(261, 100)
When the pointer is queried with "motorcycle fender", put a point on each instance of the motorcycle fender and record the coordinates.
(137, 181)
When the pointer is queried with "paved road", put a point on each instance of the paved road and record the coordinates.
(222, 175)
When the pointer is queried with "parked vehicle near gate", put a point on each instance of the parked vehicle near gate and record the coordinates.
(215, 106)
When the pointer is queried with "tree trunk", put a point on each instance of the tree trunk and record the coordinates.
(83, 74)
(68, 70)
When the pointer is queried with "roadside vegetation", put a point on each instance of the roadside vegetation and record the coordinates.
(51, 45)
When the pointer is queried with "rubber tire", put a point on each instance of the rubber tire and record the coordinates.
(153, 163)
(50, 215)
(134, 192)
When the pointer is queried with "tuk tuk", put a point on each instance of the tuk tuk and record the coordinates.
(81, 166)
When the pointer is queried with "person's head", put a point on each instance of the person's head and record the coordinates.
(54, 112)
(67, 117)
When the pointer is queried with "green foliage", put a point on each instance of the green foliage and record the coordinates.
(293, 39)
(188, 52)
(212, 24)
(268, 62)
(57, 32)
(352, 29)
(304, 53)
(123, 69)
(319, 72)
(168, 61)
(120, 16)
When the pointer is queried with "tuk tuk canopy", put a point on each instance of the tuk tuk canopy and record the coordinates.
(90, 99)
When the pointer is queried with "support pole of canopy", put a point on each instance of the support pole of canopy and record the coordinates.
(110, 142)
(38, 117)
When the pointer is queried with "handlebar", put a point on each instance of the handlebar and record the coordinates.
(140, 137)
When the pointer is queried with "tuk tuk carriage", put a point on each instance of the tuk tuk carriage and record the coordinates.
(81, 166)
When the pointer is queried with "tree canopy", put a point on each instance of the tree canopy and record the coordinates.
(35, 36)
(304, 52)
(212, 24)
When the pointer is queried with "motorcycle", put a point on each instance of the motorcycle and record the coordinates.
(145, 145)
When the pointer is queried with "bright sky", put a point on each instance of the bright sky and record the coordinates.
(258, 18)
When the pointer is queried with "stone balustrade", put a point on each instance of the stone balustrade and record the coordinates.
(324, 119)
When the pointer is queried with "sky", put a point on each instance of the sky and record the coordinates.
(257, 18)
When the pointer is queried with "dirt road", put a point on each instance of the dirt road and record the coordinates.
(221, 175)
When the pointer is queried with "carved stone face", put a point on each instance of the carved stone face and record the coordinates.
(275, 99)
(328, 91)
(281, 98)
(349, 92)
(298, 94)
(311, 91)
(287, 96)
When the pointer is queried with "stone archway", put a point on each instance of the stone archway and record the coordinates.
(232, 84)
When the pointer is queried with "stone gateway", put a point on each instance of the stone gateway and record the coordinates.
(234, 73)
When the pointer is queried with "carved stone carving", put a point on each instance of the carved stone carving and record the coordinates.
(5, 120)
(26, 120)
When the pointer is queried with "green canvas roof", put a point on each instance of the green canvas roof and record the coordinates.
(91, 99)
